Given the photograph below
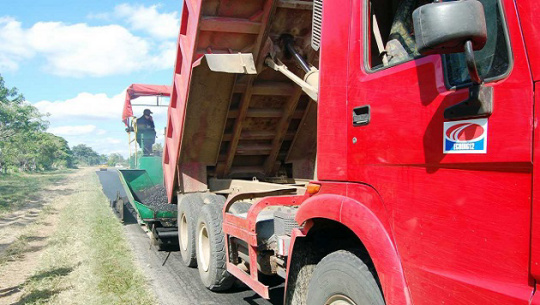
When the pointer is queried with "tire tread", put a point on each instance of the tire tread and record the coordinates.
(220, 279)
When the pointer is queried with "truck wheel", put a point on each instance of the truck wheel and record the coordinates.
(343, 278)
(239, 207)
(302, 265)
(236, 208)
(188, 212)
(211, 249)
(209, 198)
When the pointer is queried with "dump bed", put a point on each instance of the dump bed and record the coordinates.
(231, 116)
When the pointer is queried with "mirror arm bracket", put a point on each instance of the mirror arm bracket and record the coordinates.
(471, 64)
(480, 101)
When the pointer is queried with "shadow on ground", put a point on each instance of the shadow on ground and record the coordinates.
(39, 295)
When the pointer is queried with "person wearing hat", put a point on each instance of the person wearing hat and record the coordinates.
(146, 133)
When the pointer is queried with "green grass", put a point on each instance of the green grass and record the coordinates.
(87, 260)
(17, 190)
(15, 250)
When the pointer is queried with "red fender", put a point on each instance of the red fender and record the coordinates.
(368, 219)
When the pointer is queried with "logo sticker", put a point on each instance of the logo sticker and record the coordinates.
(465, 137)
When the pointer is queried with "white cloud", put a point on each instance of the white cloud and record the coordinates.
(13, 49)
(84, 106)
(112, 141)
(80, 50)
(95, 120)
(148, 19)
(100, 106)
(100, 16)
(73, 130)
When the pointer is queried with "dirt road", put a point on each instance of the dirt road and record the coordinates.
(23, 237)
(68, 248)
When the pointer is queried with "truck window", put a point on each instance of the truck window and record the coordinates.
(391, 33)
(493, 60)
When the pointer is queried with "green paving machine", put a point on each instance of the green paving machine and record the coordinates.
(137, 194)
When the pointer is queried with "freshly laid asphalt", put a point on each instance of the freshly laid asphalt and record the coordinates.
(175, 283)
(172, 282)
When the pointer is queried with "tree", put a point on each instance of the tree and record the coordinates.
(24, 144)
(53, 152)
(85, 155)
(114, 159)
(158, 149)
(16, 115)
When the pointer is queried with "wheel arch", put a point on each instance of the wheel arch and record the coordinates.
(368, 223)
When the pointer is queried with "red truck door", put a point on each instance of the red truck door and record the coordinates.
(460, 213)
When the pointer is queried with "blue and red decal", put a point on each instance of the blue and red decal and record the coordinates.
(465, 137)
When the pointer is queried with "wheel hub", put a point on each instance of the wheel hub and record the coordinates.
(184, 233)
(339, 299)
(204, 248)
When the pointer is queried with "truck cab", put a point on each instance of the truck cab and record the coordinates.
(452, 194)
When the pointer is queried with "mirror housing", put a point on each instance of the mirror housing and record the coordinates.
(445, 27)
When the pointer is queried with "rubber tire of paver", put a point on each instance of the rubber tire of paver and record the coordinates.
(343, 276)
(215, 277)
(188, 212)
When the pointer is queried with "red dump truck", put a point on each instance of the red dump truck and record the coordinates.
(366, 151)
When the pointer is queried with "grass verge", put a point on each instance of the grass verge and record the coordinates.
(16, 190)
(15, 250)
(87, 260)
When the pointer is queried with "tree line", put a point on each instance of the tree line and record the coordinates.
(26, 146)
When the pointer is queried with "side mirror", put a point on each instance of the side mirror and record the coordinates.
(445, 27)
(455, 27)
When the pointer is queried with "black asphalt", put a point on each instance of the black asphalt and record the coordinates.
(173, 282)
(110, 182)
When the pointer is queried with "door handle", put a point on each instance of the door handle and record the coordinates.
(361, 115)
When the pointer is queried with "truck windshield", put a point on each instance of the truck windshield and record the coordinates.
(493, 60)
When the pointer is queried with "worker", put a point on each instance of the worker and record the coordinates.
(146, 133)
(401, 44)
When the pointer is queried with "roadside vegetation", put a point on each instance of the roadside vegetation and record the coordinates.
(26, 146)
(84, 155)
(83, 259)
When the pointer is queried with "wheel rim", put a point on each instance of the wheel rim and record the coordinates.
(339, 299)
(204, 247)
(184, 232)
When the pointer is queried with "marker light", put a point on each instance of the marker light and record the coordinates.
(313, 188)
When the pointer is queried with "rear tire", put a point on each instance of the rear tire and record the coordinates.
(188, 212)
(211, 254)
(343, 278)
(239, 207)
(209, 198)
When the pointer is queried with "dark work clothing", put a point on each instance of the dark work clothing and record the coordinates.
(144, 123)
(146, 135)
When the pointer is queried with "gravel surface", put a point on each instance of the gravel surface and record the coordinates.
(156, 198)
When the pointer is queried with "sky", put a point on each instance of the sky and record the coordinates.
(74, 60)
